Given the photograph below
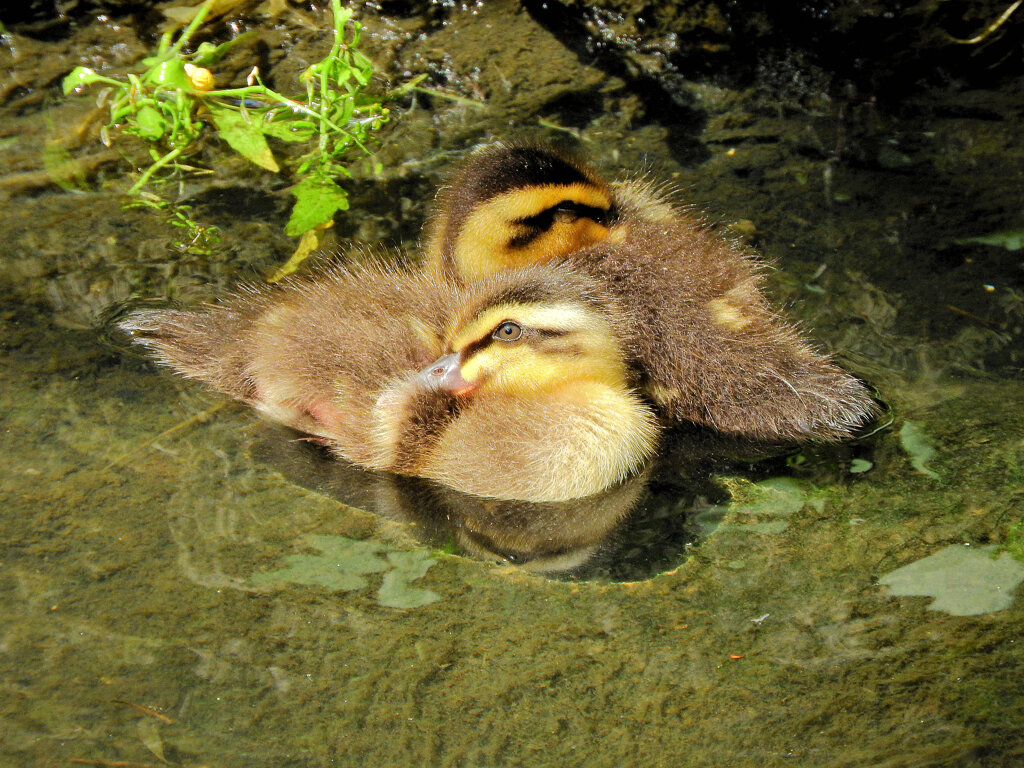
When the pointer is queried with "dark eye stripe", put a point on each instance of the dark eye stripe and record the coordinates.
(541, 222)
(527, 335)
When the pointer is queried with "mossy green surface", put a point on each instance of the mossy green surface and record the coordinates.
(1015, 540)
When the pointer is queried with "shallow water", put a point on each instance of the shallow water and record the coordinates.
(164, 552)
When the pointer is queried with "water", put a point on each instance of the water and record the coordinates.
(166, 553)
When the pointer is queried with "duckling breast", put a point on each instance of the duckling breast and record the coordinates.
(544, 449)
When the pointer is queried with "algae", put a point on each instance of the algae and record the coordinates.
(1015, 540)
(773, 497)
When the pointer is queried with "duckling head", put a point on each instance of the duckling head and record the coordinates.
(513, 205)
(527, 338)
(538, 401)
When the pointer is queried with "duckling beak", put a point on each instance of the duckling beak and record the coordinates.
(445, 374)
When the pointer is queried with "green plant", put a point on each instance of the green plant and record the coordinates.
(167, 103)
(198, 238)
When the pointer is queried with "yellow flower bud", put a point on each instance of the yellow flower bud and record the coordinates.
(200, 77)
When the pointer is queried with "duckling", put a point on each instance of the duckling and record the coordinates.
(513, 387)
(707, 345)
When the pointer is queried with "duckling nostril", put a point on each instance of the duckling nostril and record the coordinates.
(445, 374)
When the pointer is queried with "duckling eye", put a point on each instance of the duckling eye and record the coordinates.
(507, 331)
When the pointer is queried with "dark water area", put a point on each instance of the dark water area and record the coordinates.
(182, 584)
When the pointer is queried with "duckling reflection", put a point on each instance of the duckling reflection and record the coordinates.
(635, 530)
(698, 329)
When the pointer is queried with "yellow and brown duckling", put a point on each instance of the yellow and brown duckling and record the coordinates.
(698, 331)
(512, 387)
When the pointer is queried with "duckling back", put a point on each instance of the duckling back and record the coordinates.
(312, 353)
(709, 346)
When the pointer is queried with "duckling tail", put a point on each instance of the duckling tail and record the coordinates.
(199, 345)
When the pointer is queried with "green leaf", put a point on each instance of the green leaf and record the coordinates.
(316, 202)
(79, 76)
(341, 564)
(964, 580)
(149, 123)
(363, 67)
(341, 15)
(343, 112)
(396, 590)
(168, 74)
(343, 75)
(243, 135)
(858, 466)
(208, 53)
(289, 130)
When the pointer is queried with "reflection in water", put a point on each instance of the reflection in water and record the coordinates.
(636, 530)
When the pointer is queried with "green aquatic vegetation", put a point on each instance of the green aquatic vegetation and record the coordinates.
(1011, 239)
(859, 466)
(919, 447)
(169, 102)
(775, 496)
(1015, 540)
(198, 239)
(343, 564)
(66, 172)
(396, 591)
(965, 581)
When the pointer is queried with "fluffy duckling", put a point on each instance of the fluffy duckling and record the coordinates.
(514, 387)
(705, 342)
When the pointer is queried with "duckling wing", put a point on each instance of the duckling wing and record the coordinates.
(708, 346)
(314, 354)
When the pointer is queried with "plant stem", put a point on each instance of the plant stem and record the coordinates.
(169, 157)
(339, 36)
(193, 25)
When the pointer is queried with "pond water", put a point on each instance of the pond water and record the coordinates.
(182, 584)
